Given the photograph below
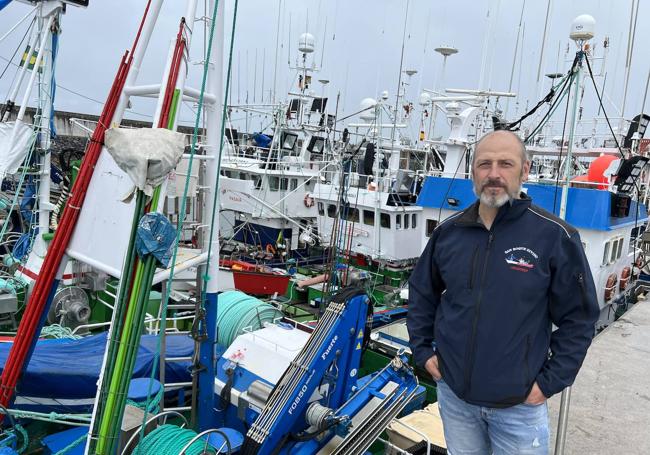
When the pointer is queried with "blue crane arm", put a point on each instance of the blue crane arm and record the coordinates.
(332, 355)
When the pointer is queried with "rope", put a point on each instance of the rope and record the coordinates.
(72, 445)
(170, 439)
(238, 311)
(58, 332)
(151, 404)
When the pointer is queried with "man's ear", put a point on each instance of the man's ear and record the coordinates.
(525, 171)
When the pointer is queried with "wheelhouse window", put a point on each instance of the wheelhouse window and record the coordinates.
(414, 219)
(369, 217)
(274, 183)
(258, 181)
(384, 220)
(321, 209)
(331, 210)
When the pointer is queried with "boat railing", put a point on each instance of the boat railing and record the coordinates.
(398, 450)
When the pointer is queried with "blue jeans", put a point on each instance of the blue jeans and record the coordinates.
(477, 430)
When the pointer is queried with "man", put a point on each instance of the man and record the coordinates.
(482, 300)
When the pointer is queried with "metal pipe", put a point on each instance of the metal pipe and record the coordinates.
(563, 421)
(195, 261)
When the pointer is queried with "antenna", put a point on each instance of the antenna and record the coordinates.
(322, 52)
(263, 70)
(289, 45)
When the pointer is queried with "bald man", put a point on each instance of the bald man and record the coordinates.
(483, 297)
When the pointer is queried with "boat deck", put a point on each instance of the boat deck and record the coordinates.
(610, 400)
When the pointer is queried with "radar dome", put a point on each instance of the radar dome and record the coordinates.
(583, 28)
(306, 43)
(368, 114)
(425, 99)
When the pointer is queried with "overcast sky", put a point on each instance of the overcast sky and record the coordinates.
(362, 43)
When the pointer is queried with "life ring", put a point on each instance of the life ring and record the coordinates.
(610, 285)
(270, 249)
(308, 201)
(625, 277)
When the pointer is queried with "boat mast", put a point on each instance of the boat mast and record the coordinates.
(582, 30)
(634, 15)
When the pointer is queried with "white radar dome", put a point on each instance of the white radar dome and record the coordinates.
(368, 114)
(425, 99)
(583, 28)
(306, 43)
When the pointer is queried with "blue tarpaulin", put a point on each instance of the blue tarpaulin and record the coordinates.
(62, 374)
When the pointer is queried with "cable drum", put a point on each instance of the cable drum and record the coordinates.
(239, 311)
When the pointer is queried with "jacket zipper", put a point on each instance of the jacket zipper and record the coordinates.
(469, 358)
(472, 270)
(581, 282)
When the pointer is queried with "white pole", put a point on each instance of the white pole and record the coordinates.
(634, 14)
(32, 78)
(17, 24)
(23, 70)
(138, 54)
(572, 127)
(45, 207)
(213, 117)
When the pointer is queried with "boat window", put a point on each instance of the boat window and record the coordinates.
(258, 181)
(620, 248)
(293, 184)
(284, 184)
(308, 183)
(406, 220)
(398, 221)
(229, 174)
(243, 176)
(613, 251)
(274, 183)
(606, 253)
(352, 215)
(369, 217)
(431, 225)
(331, 211)
(321, 209)
(414, 219)
(384, 220)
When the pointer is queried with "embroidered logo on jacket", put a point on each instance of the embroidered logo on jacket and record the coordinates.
(521, 259)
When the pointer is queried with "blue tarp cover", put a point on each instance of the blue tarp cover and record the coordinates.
(69, 369)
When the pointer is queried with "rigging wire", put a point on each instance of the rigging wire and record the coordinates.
(9, 62)
(59, 86)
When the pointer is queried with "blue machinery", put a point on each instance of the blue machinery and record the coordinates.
(316, 405)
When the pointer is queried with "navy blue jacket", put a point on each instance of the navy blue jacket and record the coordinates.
(484, 302)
